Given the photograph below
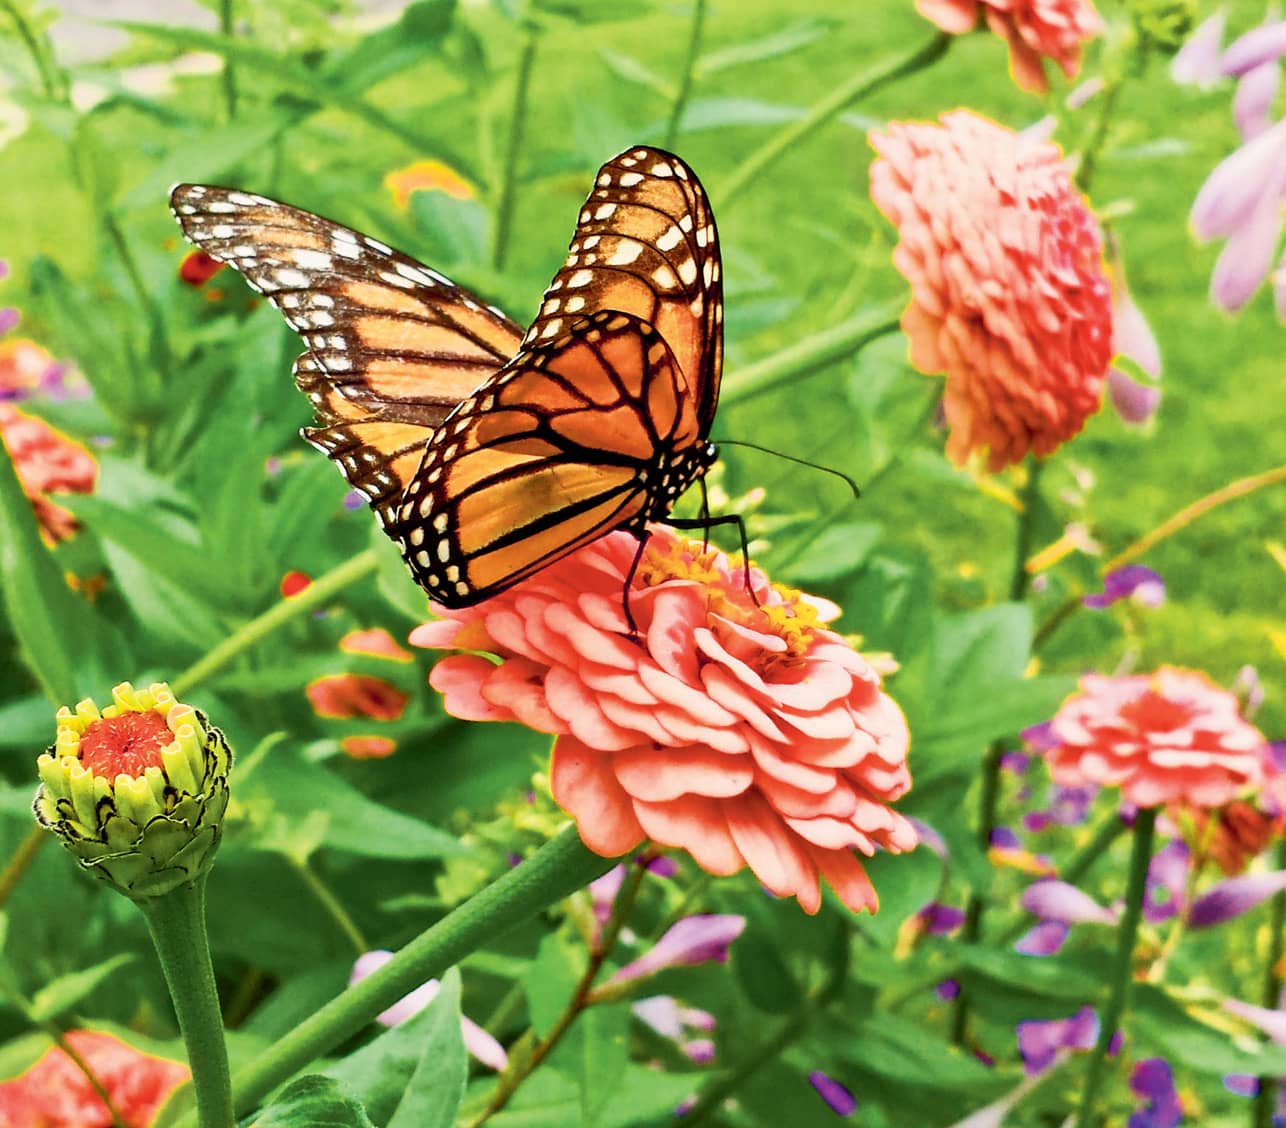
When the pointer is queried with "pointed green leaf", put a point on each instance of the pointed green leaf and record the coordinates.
(313, 1102)
(437, 1086)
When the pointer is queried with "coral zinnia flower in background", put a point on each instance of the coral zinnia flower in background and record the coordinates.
(1035, 30)
(1009, 295)
(743, 734)
(1168, 737)
(427, 176)
(55, 1093)
(47, 461)
(343, 696)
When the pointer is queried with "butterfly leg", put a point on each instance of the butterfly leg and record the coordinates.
(707, 523)
(643, 534)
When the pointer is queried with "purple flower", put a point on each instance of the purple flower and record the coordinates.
(1241, 202)
(1132, 338)
(1255, 95)
(1085, 92)
(662, 865)
(1234, 896)
(940, 920)
(603, 890)
(1044, 939)
(1167, 882)
(841, 1101)
(692, 940)
(1039, 1042)
(4, 269)
(1271, 1022)
(1153, 1080)
(1040, 737)
(664, 1015)
(1066, 904)
(1015, 762)
(354, 499)
(9, 317)
(476, 1040)
(947, 990)
(1241, 1084)
(930, 837)
(1198, 61)
(1263, 44)
(1135, 582)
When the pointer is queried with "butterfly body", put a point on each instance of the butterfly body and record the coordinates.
(486, 453)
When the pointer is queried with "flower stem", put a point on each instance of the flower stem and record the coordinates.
(1266, 1098)
(689, 74)
(556, 870)
(836, 102)
(18, 865)
(1199, 508)
(1123, 976)
(229, 74)
(580, 999)
(517, 122)
(176, 921)
(721, 1088)
(330, 903)
(816, 351)
(1026, 533)
(277, 616)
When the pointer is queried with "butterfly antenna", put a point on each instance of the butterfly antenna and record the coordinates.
(852, 485)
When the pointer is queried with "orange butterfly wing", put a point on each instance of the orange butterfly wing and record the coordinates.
(393, 346)
(578, 436)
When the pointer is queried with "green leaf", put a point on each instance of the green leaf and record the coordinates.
(313, 1102)
(63, 642)
(436, 1089)
(550, 980)
(837, 551)
(1165, 1025)
(904, 1052)
(417, 35)
(62, 994)
(1072, 977)
(356, 824)
(774, 46)
(453, 233)
(599, 1046)
(26, 723)
(905, 884)
(631, 70)
(763, 973)
(381, 1071)
(719, 113)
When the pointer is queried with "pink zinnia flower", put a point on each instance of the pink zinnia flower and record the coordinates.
(343, 696)
(744, 734)
(47, 462)
(1009, 295)
(55, 1093)
(1168, 737)
(1035, 30)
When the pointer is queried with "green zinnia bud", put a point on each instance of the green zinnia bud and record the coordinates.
(1163, 24)
(136, 792)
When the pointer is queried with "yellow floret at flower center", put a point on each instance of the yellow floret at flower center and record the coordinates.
(792, 619)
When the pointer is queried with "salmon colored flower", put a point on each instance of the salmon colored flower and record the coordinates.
(1009, 294)
(197, 268)
(24, 366)
(743, 734)
(343, 696)
(368, 747)
(1035, 30)
(376, 642)
(55, 1093)
(427, 176)
(1168, 737)
(47, 461)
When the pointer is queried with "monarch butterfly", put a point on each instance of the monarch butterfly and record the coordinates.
(487, 453)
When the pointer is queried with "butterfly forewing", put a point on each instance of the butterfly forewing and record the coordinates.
(646, 244)
(558, 448)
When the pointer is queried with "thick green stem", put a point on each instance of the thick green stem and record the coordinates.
(1266, 1098)
(177, 924)
(816, 351)
(555, 871)
(836, 102)
(1123, 972)
(689, 74)
(1020, 578)
(308, 600)
(517, 123)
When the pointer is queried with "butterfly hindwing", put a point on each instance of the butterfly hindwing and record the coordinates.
(554, 450)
